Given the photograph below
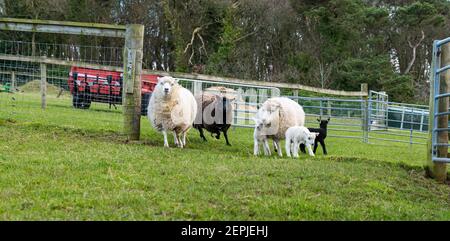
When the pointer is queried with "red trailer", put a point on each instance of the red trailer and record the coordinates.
(95, 85)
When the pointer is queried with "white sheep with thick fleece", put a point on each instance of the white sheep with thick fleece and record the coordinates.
(297, 135)
(273, 119)
(172, 108)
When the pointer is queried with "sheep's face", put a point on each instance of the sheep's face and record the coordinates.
(323, 123)
(311, 137)
(267, 119)
(258, 124)
(270, 113)
(165, 84)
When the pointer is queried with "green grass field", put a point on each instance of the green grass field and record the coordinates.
(66, 164)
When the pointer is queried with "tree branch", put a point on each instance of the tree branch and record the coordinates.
(414, 51)
(196, 30)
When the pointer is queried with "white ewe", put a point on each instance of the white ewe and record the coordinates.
(297, 135)
(274, 117)
(172, 108)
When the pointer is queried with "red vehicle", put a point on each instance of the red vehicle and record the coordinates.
(95, 85)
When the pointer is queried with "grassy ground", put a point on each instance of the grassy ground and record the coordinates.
(65, 164)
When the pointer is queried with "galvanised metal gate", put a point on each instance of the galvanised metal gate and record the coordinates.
(246, 97)
(440, 113)
(378, 110)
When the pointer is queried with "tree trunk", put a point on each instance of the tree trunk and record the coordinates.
(414, 51)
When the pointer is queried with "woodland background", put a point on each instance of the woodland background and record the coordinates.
(334, 44)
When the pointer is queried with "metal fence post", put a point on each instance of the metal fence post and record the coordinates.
(403, 118)
(438, 170)
(411, 137)
(365, 111)
(134, 43)
(43, 86)
(329, 108)
(321, 108)
(421, 120)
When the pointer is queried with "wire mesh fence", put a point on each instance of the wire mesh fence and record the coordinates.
(28, 84)
(81, 86)
(245, 97)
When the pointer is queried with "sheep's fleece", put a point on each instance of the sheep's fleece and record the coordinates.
(280, 112)
(172, 108)
(297, 135)
(273, 119)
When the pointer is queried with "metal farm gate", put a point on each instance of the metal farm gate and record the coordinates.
(246, 96)
(439, 110)
(378, 110)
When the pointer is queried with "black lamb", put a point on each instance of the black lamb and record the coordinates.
(212, 103)
(320, 138)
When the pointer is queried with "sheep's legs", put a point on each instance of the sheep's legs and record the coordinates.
(184, 138)
(296, 147)
(166, 143)
(202, 135)
(276, 143)
(175, 138)
(225, 134)
(255, 147)
(288, 147)
(302, 148)
(316, 144)
(323, 147)
(178, 140)
(266, 148)
(311, 153)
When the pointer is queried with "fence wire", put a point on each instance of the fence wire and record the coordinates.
(27, 86)
(81, 97)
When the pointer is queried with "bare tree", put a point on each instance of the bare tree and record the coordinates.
(414, 52)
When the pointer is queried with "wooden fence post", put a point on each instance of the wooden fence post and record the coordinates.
(13, 81)
(438, 170)
(43, 86)
(133, 54)
(365, 112)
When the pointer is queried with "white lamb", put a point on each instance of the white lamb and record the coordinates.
(297, 135)
(172, 108)
(260, 137)
(273, 119)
